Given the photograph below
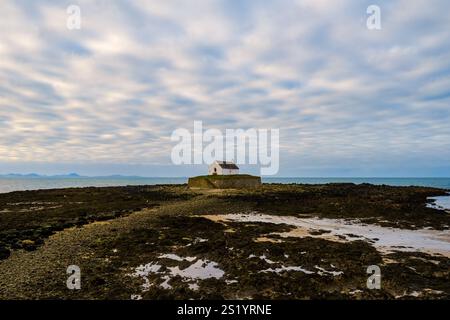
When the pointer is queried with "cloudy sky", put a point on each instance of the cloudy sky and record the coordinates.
(105, 99)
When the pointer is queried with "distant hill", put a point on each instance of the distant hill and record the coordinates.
(66, 176)
(35, 175)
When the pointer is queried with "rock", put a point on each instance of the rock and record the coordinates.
(98, 281)
(28, 244)
(4, 253)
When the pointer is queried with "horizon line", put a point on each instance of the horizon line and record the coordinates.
(75, 175)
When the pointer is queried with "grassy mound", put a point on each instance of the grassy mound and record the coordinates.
(237, 181)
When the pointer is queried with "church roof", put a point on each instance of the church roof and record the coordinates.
(227, 165)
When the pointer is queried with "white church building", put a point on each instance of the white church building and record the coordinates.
(223, 168)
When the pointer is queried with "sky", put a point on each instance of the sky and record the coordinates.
(105, 98)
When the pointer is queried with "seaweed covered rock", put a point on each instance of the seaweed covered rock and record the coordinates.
(4, 253)
(28, 244)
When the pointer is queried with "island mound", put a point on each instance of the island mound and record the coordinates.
(235, 181)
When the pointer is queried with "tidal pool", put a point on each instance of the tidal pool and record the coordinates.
(440, 203)
(383, 238)
(199, 270)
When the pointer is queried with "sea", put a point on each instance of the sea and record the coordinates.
(9, 184)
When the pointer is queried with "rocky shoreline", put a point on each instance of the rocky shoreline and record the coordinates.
(170, 242)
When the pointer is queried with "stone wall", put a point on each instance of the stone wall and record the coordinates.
(239, 181)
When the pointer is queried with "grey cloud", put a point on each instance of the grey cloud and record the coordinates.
(342, 96)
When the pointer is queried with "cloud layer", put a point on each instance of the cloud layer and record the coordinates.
(347, 100)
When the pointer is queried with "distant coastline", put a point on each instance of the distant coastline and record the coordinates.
(70, 175)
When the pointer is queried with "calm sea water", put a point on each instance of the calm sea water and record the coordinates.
(443, 183)
(37, 183)
(25, 183)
